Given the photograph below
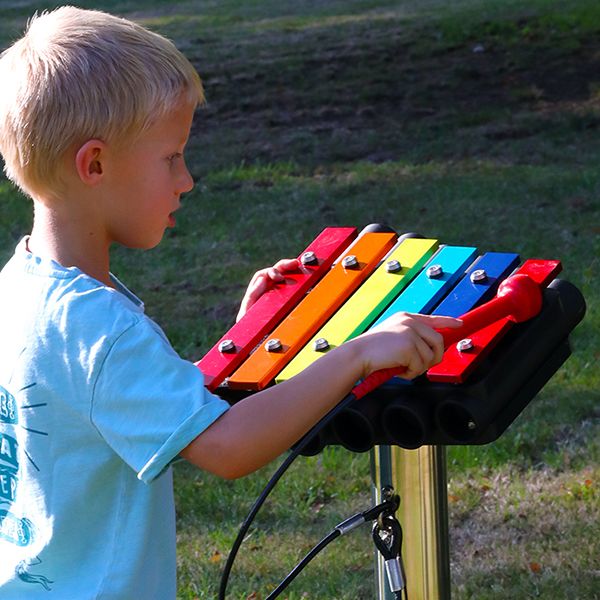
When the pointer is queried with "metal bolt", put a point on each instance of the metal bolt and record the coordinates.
(309, 258)
(350, 262)
(478, 275)
(464, 345)
(273, 345)
(227, 346)
(320, 345)
(393, 266)
(434, 271)
(471, 425)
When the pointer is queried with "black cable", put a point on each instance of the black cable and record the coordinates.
(341, 529)
(272, 483)
(332, 535)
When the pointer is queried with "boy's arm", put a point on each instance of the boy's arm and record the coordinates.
(259, 428)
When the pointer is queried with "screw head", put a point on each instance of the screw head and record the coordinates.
(227, 346)
(320, 345)
(309, 258)
(464, 345)
(273, 345)
(478, 275)
(393, 266)
(434, 271)
(471, 425)
(350, 262)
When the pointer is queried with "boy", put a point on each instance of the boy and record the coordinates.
(95, 113)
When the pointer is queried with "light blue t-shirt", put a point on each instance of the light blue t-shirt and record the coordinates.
(94, 406)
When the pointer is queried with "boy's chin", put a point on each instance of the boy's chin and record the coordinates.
(142, 244)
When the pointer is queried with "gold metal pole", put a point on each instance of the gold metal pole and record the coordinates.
(419, 477)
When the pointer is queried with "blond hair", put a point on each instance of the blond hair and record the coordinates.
(82, 74)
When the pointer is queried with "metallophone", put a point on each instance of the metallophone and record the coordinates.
(471, 397)
(514, 338)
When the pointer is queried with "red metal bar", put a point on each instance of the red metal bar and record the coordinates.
(272, 306)
(456, 365)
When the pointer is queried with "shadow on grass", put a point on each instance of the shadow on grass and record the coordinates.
(385, 90)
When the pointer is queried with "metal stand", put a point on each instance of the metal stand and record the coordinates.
(419, 477)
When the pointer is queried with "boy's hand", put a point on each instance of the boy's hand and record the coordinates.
(264, 280)
(407, 340)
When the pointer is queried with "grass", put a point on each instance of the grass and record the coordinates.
(474, 121)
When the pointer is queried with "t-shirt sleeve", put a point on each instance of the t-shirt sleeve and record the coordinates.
(148, 403)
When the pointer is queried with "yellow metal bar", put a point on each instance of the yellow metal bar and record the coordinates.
(368, 302)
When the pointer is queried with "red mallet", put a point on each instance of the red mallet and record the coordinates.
(519, 298)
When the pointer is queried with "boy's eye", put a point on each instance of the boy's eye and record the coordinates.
(174, 156)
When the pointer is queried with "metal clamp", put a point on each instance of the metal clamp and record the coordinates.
(387, 537)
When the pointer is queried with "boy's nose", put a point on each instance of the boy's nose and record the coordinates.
(186, 181)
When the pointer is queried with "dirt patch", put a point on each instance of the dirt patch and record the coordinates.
(360, 95)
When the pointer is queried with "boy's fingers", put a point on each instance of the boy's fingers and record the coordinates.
(422, 330)
(426, 326)
(432, 338)
(429, 343)
(273, 274)
(419, 359)
(426, 352)
(276, 272)
(256, 288)
(264, 280)
(437, 321)
(285, 265)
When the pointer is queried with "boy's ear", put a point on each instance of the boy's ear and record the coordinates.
(89, 161)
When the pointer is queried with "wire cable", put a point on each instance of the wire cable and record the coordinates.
(296, 451)
(332, 535)
(342, 528)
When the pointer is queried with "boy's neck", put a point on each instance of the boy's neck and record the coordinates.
(69, 239)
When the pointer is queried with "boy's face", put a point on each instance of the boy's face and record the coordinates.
(146, 180)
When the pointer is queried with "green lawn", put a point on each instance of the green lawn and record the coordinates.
(473, 121)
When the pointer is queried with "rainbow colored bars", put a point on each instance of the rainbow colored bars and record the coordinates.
(355, 284)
